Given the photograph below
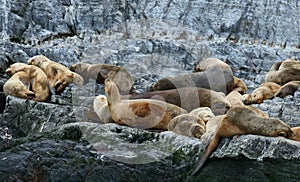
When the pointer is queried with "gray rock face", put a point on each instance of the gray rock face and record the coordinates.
(153, 39)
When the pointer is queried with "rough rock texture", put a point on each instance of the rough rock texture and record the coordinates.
(153, 39)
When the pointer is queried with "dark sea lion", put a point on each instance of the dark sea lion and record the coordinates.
(141, 113)
(242, 120)
(216, 75)
(188, 98)
(288, 89)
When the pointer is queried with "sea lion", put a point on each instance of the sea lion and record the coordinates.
(101, 109)
(99, 72)
(216, 76)
(241, 120)
(188, 98)
(265, 91)
(296, 137)
(18, 85)
(141, 113)
(38, 79)
(239, 85)
(284, 72)
(58, 75)
(187, 125)
(205, 113)
(288, 89)
(236, 99)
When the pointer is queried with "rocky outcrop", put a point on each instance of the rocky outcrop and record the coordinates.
(54, 141)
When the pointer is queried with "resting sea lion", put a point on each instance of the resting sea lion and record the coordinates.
(217, 76)
(38, 79)
(241, 120)
(99, 72)
(288, 89)
(236, 99)
(265, 91)
(284, 72)
(205, 113)
(239, 85)
(58, 75)
(18, 86)
(187, 125)
(296, 130)
(188, 98)
(142, 113)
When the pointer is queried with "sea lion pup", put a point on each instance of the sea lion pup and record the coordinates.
(18, 85)
(265, 91)
(187, 125)
(241, 120)
(101, 109)
(38, 79)
(236, 99)
(284, 72)
(288, 89)
(99, 72)
(142, 113)
(58, 75)
(296, 130)
(188, 98)
(217, 76)
(205, 113)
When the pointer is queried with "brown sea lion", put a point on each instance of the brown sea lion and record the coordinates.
(241, 120)
(187, 125)
(236, 99)
(288, 89)
(141, 113)
(99, 72)
(101, 109)
(38, 80)
(58, 75)
(265, 91)
(284, 72)
(239, 85)
(188, 98)
(217, 76)
(205, 113)
(18, 86)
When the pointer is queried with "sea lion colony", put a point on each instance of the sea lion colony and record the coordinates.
(213, 96)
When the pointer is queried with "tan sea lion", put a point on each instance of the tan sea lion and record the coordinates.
(241, 120)
(99, 72)
(101, 109)
(288, 89)
(236, 99)
(141, 113)
(58, 75)
(188, 98)
(296, 137)
(38, 80)
(217, 76)
(284, 72)
(18, 85)
(187, 125)
(205, 113)
(265, 91)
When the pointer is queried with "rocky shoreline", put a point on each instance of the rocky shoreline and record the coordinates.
(54, 141)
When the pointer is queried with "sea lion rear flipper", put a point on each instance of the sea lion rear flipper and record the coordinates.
(209, 150)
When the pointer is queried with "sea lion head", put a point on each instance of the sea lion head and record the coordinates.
(37, 60)
(12, 69)
(280, 128)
